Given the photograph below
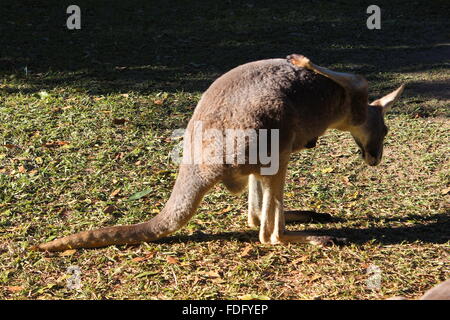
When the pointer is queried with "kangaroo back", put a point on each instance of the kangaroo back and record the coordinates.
(191, 185)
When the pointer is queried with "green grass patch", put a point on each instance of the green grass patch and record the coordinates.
(85, 142)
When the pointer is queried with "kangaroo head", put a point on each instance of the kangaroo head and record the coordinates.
(365, 122)
(369, 135)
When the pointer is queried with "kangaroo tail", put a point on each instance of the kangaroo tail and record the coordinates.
(190, 187)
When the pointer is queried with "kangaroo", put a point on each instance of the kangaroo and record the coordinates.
(294, 96)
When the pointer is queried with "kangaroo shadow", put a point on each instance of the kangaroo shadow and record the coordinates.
(437, 232)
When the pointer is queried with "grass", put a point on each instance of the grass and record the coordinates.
(89, 125)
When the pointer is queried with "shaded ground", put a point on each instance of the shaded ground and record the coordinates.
(88, 124)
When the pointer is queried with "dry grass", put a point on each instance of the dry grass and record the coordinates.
(69, 163)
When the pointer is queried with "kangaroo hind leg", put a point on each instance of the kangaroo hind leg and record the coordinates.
(255, 196)
(255, 199)
(272, 227)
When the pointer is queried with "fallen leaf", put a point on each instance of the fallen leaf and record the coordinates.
(119, 156)
(115, 193)
(67, 253)
(15, 289)
(159, 102)
(11, 146)
(210, 274)
(138, 259)
(140, 194)
(246, 251)
(226, 210)
(55, 144)
(300, 260)
(355, 195)
(445, 191)
(146, 257)
(315, 277)
(290, 194)
(22, 169)
(345, 180)
(253, 297)
(327, 170)
(172, 260)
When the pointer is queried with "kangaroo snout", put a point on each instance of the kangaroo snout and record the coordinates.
(373, 158)
(372, 161)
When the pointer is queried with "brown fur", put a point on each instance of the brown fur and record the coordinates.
(266, 94)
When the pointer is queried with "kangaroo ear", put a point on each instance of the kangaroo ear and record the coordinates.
(388, 100)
